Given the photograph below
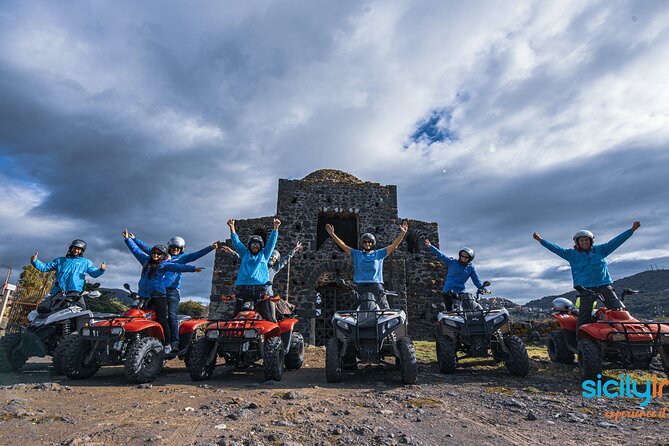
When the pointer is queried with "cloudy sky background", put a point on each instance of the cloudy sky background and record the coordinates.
(494, 119)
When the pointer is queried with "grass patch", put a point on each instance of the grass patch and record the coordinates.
(426, 351)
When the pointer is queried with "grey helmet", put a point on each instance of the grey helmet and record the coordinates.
(368, 236)
(584, 233)
(255, 239)
(177, 242)
(78, 243)
(468, 251)
(562, 305)
(276, 254)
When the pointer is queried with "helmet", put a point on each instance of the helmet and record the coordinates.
(255, 239)
(276, 254)
(78, 243)
(468, 251)
(161, 249)
(368, 236)
(562, 304)
(584, 233)
(176, 242)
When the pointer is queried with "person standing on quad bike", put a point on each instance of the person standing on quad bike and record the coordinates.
(459, 271)
(589, 268)
(152, 282)
(70, 270)
(254, 274)
(172, 279)
(368, 263)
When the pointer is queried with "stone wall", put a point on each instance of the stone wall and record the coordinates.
(411, 271)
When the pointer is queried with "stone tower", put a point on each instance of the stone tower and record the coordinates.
(353, 207)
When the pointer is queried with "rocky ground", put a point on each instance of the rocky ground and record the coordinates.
(480, 404)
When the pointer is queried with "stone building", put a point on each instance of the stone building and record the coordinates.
(353, 207)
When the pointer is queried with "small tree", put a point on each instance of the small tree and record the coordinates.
(33, 284)
(192, 308)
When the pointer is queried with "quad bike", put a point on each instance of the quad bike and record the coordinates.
(480, 333)
(134, 339)
(612, 336)
(52, 326)
(369, 334)
(245, 340)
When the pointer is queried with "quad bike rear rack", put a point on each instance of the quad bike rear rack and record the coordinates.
(657, 336)
(233, 333)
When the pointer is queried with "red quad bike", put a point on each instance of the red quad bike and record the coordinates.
(612, 336)
(244, 340)
(134, 339)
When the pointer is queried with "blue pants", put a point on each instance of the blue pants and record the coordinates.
(173, 298)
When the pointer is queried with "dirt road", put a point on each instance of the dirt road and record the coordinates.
(480, 404)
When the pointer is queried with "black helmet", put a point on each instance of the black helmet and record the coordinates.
(161, 249)
(255, 239)
(368, 236)
(78, 243)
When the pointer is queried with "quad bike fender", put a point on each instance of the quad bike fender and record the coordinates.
(567, 321)
(152, 328)
(287, 325)
(190, 325)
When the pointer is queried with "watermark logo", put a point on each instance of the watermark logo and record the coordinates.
(625, 387)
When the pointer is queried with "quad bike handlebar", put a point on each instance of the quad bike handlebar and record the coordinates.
(586, 291)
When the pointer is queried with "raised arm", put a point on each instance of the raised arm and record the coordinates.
(552, 247)
(41, 266)
(236, 243)
(613, 244)
(443, 257)
(96, 272)
(404, 227)
(140, 244)
(330, 230)
(476, 279)
(271, 240)
(193, 256)
(285, 259)
(134, 249)
(179, 268)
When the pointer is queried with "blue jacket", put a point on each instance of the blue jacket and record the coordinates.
(70, 272)
(153, 286)
(368, 267)
(253, 269)
(458, 273)
(589, 268)
(172, 279)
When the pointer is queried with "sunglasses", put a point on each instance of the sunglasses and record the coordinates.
(156, 253)
(255, 245)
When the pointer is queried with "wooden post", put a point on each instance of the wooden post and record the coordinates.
(288, 281)
(6, 292)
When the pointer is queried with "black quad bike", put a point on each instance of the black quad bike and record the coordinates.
(368, 335)
(478, 333)
(52, 327)
(611, 336)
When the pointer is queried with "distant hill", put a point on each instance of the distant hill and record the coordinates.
(652, 303)
(119, 294)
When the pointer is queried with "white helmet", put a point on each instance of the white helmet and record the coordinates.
(276, 254)
(584, 233)
(176, 242)
(468, 251)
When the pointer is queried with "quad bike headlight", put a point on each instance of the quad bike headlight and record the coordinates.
(117, 331)
(251, 333)
(450, 323)
(498, 319)
(392, 323)
(212, 334)
(32, 315)
(85, 331)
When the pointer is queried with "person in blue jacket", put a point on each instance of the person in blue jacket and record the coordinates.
(70, 270)
(459, 271)
(253, 274)
(368, 262)
(589, 267)
(152, 282)
(172, 279)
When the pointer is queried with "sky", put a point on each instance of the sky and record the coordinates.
(494, 119)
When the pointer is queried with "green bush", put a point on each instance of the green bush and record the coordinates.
(192, 308)
(106, 303)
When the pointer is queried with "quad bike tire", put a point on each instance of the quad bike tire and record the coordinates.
(144, 360)
(407, 360)
(197, 365)
(332, 362)
(446, 354)
(58, 353)
(74, 353)
(295, 357)
(589, 359)
(11, 355)
(558, 350)
(518, 362)
(350, 359)
(273, 358)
